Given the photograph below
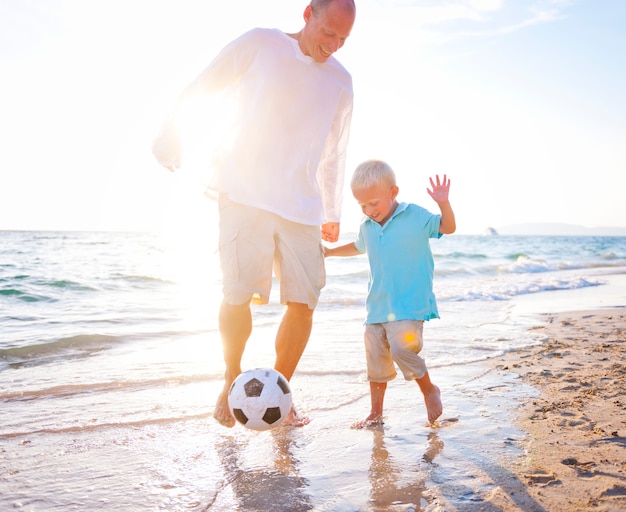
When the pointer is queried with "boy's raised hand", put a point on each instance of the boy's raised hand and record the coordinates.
(440, 189)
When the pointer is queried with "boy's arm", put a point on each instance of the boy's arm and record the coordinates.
(440, 192)
(447, 226)
(342, 250)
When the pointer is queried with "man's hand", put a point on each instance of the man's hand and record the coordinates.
(330, 231)
(167, 149)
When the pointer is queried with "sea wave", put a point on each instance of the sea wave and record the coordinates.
(87, 427)
(27, 288)
(526, 265)
(94, 388)
(70, 347)
(521, 265)
(505, 290)
(26, 353)
(22, 295)
(457, 287)
(459, 255)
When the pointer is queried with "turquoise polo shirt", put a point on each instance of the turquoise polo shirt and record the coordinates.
(401, 265)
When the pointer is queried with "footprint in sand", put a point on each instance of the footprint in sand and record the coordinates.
(542, 478)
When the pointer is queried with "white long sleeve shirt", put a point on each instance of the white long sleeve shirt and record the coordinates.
(287, 146)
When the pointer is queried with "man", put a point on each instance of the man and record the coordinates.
(279, 176)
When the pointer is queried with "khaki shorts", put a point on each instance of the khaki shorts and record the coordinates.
(255, 242)
(399, 341)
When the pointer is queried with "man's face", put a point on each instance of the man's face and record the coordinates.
(326, 30)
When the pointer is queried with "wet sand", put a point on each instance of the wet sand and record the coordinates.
(541, 429)
(575, 447)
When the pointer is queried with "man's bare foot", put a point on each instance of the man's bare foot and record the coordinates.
(434, 408)
(373, 420)
(293, 419)
(222, 412)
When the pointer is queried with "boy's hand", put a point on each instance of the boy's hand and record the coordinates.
(440, 189)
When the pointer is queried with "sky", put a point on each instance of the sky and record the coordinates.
(521, 103)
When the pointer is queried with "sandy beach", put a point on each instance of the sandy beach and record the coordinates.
(110, 374)
(575, 447)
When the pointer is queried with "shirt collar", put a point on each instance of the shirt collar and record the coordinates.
(298, 51)
(399, 209)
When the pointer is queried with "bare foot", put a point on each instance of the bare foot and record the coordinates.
(373, 420)
(222, 412)
(293, 419)
(434, 408)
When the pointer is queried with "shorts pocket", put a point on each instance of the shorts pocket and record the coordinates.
(229, 260)
(322, 270)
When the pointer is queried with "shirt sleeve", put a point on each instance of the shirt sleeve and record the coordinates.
(359, 242)
(223, 72)
(333, 162)
(227, 67)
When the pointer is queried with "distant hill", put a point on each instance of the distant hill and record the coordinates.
(555, 229)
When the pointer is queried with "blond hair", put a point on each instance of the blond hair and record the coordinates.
(372, 172)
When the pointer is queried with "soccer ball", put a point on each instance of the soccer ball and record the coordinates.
(260, 399)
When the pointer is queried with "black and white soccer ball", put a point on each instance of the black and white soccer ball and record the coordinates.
(260, 399)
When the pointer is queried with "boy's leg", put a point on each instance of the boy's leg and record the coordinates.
(406, 341)
(377, 397)
(432, 397)
(380, 370)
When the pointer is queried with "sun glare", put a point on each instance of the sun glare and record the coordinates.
(191, 262)
(205, 126)
(189, 225)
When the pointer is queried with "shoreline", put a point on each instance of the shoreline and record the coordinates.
(575, 428)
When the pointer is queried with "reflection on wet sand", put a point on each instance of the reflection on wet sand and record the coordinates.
(276, 487)
(394, 485)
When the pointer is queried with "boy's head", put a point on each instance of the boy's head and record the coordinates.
(374, 187)
(372, 172)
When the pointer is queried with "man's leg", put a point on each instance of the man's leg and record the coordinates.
(291, 340)
(235, 323)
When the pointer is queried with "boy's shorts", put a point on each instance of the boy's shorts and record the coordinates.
(398, 341)
(253, 242)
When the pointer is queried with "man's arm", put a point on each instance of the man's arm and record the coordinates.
(167, 146)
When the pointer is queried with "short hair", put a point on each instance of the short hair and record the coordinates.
(372, 172)
(320, 5)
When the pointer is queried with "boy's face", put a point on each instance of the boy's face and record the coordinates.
(377, 201)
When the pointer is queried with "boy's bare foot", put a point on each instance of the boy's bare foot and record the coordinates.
(434, 408)
(293, 419)
(373, 420)
(222, 412)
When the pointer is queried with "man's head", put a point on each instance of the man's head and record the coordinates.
(328, 24)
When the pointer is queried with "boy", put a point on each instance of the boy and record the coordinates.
(400, 295)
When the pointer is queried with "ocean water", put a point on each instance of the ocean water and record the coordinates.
(110, 363)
